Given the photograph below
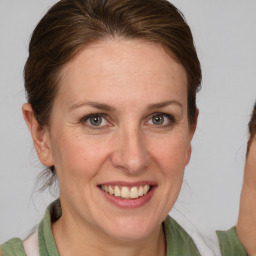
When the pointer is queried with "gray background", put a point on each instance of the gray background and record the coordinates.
(225, 37)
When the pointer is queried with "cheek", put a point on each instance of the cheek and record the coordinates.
(171, 154)
(77, 156)
(170, 157)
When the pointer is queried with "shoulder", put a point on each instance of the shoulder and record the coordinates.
(230, 244)
(173, 227)
(204, 238)
(13, 247)
(41, 238)
(18, 247)
(178, 240)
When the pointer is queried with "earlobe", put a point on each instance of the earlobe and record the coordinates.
(39, 134)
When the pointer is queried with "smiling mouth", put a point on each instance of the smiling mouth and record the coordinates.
(126, 192)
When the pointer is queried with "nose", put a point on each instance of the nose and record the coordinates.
(131, 153)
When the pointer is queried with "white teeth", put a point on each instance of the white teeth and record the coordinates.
(126, 192)
(146, 189)
(117, 191)
(141, 191)
(134, 192)
(105, 188)
(110, 190)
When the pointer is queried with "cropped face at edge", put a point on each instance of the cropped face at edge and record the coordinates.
(119, 137)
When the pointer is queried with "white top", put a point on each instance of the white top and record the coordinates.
(31, 245)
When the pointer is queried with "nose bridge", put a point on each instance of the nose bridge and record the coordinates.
(131, 153)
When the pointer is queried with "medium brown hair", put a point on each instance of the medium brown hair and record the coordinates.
(252, 128)
(70, 25)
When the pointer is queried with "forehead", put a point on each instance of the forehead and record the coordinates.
(122, 67)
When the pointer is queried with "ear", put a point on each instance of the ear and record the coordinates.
(191, 134)
(39, 134)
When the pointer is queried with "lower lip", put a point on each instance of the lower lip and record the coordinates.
(129, 203)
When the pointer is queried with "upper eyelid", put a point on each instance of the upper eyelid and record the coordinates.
(163, 114)
(84, 118)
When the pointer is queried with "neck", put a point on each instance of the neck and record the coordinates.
(72, 238)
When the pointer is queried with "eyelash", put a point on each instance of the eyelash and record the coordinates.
(171, 120)
(96, 115)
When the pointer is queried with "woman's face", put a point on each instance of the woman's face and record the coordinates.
(119, 137)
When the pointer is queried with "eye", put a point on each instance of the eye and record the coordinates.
(158, 120)
(95, 120)
(161, 119)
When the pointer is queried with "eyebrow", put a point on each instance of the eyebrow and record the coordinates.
(97, 105)
(165, 104)
(109, 108)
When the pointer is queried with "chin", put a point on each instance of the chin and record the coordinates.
(132, 229)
